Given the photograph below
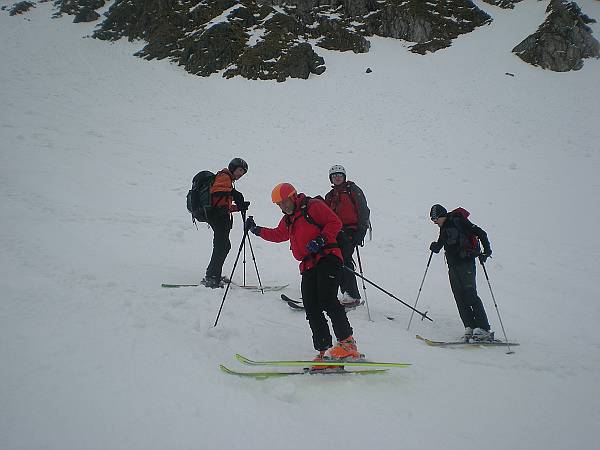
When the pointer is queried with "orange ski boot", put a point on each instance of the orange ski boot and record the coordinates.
(321, 358)
(345, 350)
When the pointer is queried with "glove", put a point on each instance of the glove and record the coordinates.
(485, 255)
(435, 247)
(243, 207)
(251, 226)
(316, 244)
(359, 236)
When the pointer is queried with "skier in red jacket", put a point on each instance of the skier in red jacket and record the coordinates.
(312, 227)
(348, 201)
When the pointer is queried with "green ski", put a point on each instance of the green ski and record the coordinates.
(295, 363)
(264, 375)
(495, 343)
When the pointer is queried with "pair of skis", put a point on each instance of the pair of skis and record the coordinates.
(494, 343)
(330, 367)
(252, 288)
(297, 305)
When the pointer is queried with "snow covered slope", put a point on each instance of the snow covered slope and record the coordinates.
(97, 151)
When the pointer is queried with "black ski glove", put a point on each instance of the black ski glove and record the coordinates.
(359, 236)
(485, 255)
(251, 226)
(435, 247)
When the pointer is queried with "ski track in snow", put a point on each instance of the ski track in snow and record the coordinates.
(97, 152)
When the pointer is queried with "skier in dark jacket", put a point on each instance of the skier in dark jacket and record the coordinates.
(311, 227)
(348, 201)
(220, 219)
(458, 237)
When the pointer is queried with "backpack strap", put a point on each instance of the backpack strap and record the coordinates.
(305, 214)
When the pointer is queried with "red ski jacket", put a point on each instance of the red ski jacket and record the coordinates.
(348, 201)
(299, 231)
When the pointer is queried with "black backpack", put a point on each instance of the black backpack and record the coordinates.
(198, 198)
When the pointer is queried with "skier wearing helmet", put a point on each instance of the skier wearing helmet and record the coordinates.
(348, 201)
(312, 227)
(223, 193)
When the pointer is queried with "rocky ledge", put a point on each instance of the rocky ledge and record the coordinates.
(279, 39)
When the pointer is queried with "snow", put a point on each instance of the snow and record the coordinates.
(97, 153)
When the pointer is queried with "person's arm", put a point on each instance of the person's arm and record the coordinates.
(481, 234)
(278, 234)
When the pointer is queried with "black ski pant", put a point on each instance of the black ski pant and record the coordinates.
(221, 225)
(470, 307)
(348, 282)
(319, 294)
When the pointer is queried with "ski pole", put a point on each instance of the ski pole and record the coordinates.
(253, 257)
(509, 352)
(420, 287)
(244, 257)
(363, 283)
(231, 276)
(255, 266)
(423, 315)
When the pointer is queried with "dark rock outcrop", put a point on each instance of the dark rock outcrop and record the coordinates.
(273, 39)
(20, 8)
(270, 39)
(336, 36)
(562, 42)
(79, 8)
(432, 25)
(86, 15)
(506, 4)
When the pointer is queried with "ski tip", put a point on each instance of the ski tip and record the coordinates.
(243, 359)
(225, 369)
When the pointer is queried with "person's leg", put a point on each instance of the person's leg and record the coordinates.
(321, 335)
(462, 301)
(348, 283)
(221, 227)
(328, 276)
(467, 276)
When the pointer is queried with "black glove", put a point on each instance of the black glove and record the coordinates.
(435, 247)
(251, 226)
(316, 244)
(359, 236)
(485, 255)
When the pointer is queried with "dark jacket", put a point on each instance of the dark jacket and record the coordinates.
(454, 236)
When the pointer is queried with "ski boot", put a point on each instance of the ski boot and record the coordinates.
(344, 350)
(481, 335)
(349, 302)
(468, 335)
(321, 358)
(211, 282)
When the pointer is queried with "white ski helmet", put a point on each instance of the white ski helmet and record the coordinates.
(337, 169)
